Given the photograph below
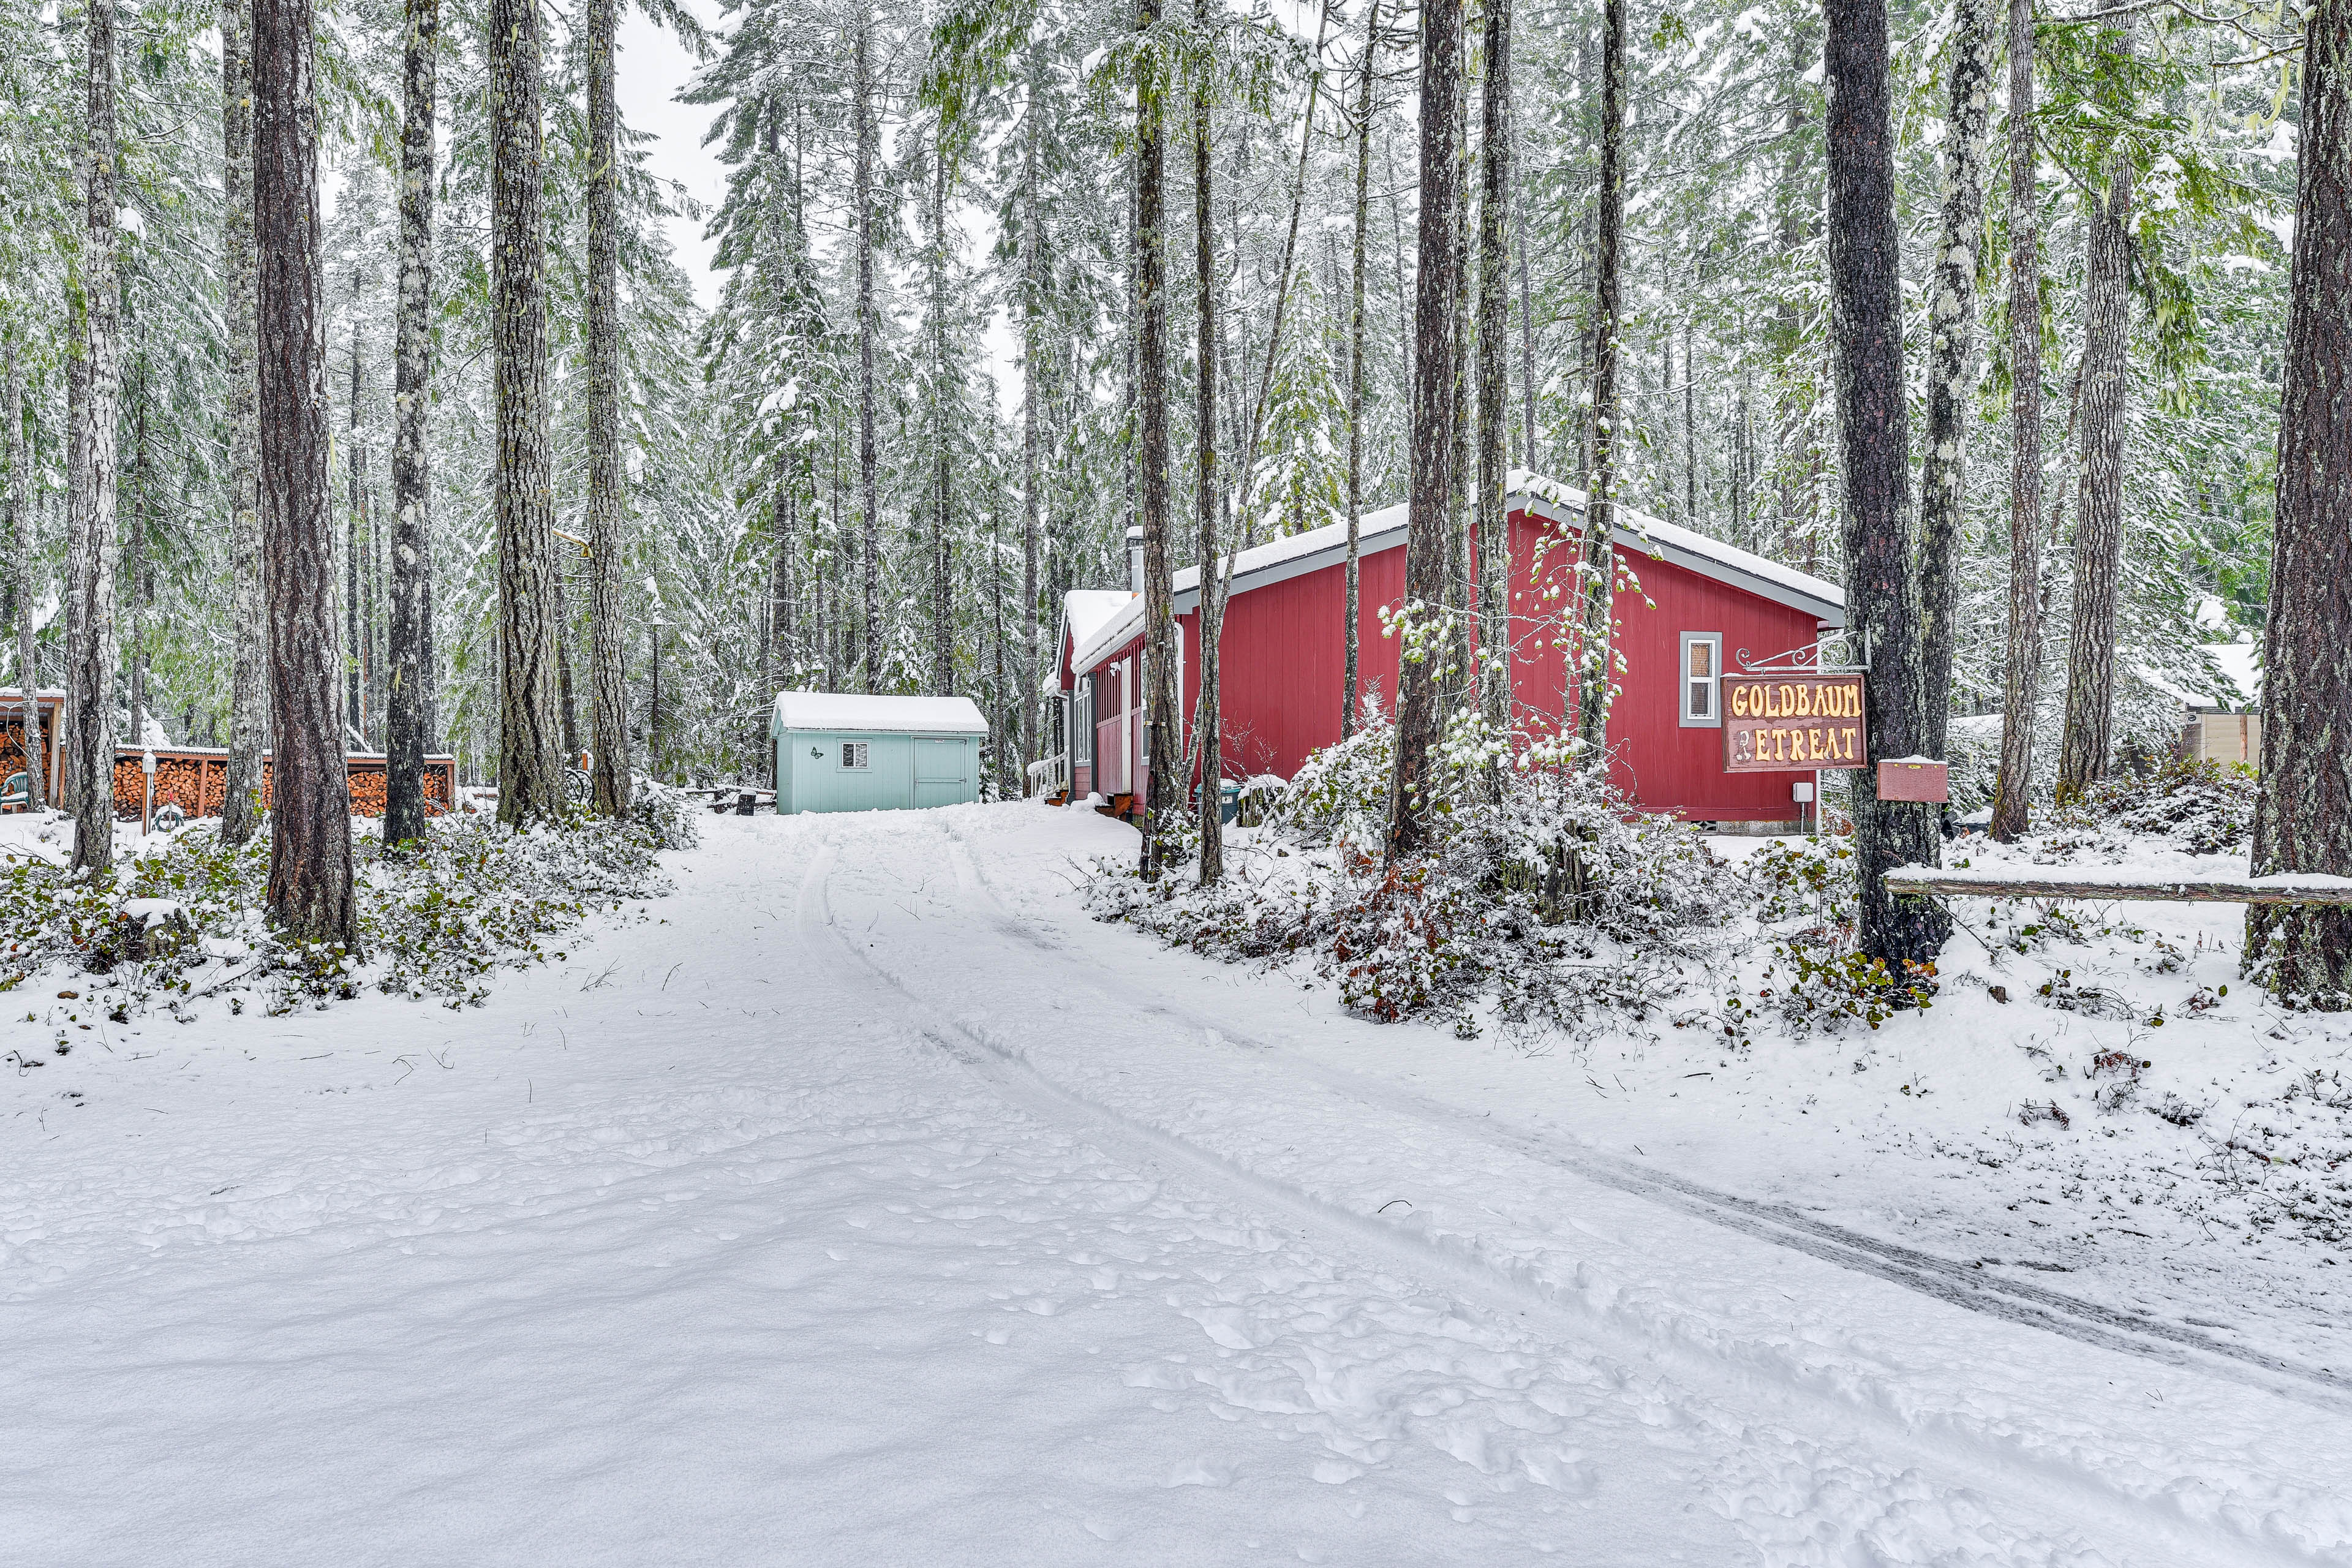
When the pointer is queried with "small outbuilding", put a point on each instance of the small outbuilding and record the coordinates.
(839, 752)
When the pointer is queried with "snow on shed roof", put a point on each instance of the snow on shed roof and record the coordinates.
(1299, 554)
(886, 715)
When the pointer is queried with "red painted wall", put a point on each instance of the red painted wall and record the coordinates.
(1284, 670)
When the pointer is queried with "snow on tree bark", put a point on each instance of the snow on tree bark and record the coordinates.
(1594, 672)
(1208, 497)
(2303, 817)
(92, 634)
(1428, 531)
(2084, 743)
(410, 672)
(1159, 712)
(310, 840)
(608, 688)
(1362, 125)
(1866, 332)
(1493, 380)
(15, 453)
(868, 481)
(530, 766)
(249, 721)
(1952, 363)
(1032, 350)
(2022, 674)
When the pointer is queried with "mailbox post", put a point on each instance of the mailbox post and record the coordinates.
(147, 798)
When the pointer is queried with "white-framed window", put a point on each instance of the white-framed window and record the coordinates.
(1082, 721)
(1702, 680)
(853, 756)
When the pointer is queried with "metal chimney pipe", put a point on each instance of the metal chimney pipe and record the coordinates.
(1135, 560)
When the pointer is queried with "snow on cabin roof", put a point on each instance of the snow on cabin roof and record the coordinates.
(1299, 554)
(2239, 685)
(1085, 610)
(886, 715)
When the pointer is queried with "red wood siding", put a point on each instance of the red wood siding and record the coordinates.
(1284, 670)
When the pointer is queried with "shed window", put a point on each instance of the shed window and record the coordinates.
(853, 756)
(1082, 722)
(1702, 680)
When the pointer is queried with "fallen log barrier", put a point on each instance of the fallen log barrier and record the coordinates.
(2123, 884)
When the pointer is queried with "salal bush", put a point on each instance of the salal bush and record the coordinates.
(434, 921)
(1546, 901)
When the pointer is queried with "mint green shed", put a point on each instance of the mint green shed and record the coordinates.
(838, 752)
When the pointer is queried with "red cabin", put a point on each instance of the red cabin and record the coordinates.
(1687, 606)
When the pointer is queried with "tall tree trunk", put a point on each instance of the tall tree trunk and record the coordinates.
(96, 657)
(608, 661)
(1455, 675)
(1952, 364)
(1594, 673)
(1528, 387)
(567, 710)
(135, 585)
(1350, 700)
(410, 673)
(943, 587)
(77, 507)
(1033, 348)
(1160, 698)
(1428, 531)
(17, 454)
(1874, 438)
(355, 557)
(530, 764)
(2082, 745)
(2021, 672)
(1208, 496)
(1798, 464)
(311, 835)
(868, 480)
(249, 721)
(1494, 378)
(2303, 818)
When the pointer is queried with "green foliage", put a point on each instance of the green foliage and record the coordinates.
(435, 920)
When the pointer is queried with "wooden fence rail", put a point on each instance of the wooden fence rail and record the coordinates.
(2126, 886)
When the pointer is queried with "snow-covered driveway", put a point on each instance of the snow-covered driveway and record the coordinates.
(868, 1205)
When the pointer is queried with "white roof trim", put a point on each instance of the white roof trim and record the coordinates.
(1299, 554)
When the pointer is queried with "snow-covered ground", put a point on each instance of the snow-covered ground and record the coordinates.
(868, 1203)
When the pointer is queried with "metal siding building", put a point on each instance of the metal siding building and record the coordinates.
(1283, 656)
(835, 751)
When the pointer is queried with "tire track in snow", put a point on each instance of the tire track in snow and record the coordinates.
(1963, 1285)
(2174, 1530)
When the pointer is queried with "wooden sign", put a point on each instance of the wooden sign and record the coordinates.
(1789, 723)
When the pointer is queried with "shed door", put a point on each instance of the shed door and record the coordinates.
(939, 771)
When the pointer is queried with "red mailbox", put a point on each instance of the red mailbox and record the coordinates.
(1915, 778)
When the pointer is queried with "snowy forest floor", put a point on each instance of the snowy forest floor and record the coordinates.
(870, 1202)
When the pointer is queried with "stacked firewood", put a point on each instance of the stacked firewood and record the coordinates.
(199, 786)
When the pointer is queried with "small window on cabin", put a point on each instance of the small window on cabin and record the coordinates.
(1082, 722)
(853, 756)
(1702, 679)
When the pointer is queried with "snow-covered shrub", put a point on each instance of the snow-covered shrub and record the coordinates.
(1340, 795)
(2197, 805)
(672, 814)
(1543, 893)
(473, 896)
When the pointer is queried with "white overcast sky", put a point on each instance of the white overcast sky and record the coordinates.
(649, 71)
